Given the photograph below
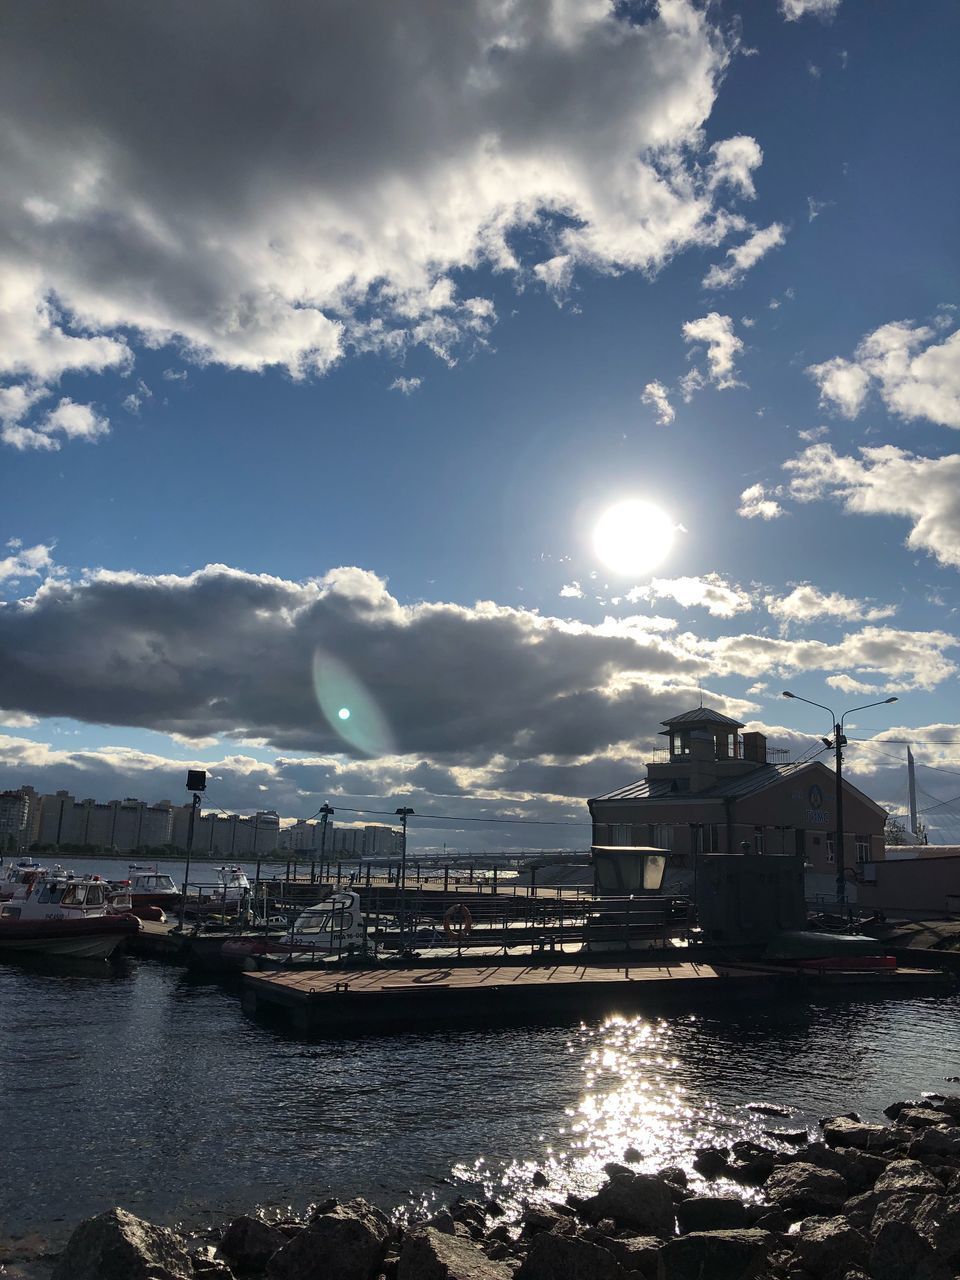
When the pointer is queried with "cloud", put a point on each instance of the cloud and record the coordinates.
(71, 420)
(279, 191)
(794, 9)
(805, 603)
(885, 480)
(406, 386)
(722, 346)
(26, 562)
(655, 395)
(847, 684)
(756, 503)
(742, 257)
(711, 592)
(915, 375)
(572, 591)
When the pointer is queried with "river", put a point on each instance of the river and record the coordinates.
(136, 1084)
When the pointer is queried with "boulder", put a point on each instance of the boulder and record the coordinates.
(899, 1253)
(796, 1137)
(543, 1217)
(636, 1253)
(859, 1169)
(711, 1213)
(567, 1258)
(828, 1247)
(919, 1117)
(719, 1255)
(116, 1245)
(206, 1263)
(936, 1142)
(895, 1108)
(711, 1161)
(638, 1201)
(844, 1132)
(674, 1174)
(539, 1179)
(352, 1240)
(799, 1190)
(429, 1255)
(902, 1206)
(908, 1175)
(633, 1155)
(248, 1243)
(937, 1220)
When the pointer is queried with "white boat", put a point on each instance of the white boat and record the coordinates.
(18, 874)
(333, 927)
(65, 916)
(149, 887)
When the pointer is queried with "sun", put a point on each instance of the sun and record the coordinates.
(633, 537)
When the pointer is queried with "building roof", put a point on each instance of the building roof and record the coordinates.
(703, 715)
(746, 784)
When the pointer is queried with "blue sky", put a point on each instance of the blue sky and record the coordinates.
(382, 317)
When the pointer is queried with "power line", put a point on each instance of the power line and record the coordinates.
(453, 817)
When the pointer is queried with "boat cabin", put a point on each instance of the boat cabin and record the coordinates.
(622, 870)
(336, 924)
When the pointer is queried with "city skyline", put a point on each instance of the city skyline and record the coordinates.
(420, 407)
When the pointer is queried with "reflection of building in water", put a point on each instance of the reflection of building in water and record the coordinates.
(714, 789)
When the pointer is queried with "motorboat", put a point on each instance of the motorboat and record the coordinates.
(64, 915)
(18, 874)
(149, 887)
(333, 927)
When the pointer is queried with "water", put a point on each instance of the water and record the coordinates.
(141, 1086)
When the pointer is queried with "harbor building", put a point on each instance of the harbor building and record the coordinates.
(714, 788)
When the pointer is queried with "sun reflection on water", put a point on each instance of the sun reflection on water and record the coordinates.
(633, 1108)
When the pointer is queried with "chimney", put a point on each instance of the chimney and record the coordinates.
(755, 747)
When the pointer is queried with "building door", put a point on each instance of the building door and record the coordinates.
(801, 843)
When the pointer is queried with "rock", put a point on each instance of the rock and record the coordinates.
(638, 1201)
(799, 1190)
(632, 1155)
(797, 1137)
(772, 1220)
(899, 1253)
(539, 1179)
(445, 1222)
(768, 1109)
(900, 1207)
(828, 1247)
(493, 1209)
(116, 1245)
(844, 1132)
(711, 1161)
(908, 1175)
(352, 1240)
(950, 1104)
(711, 1213)
(544, 1217)
(719, 1255)
(323, 1207)
(920, 1117)
(429, 1255)
(673, 1174)
(612, 1168)
(636, 1253)
(937, 1220)
(936, 1142)
(248, 1243)
(895, 1108)
(206, 1263)
(752, 1173)
(567, 1258)
(469, 1211)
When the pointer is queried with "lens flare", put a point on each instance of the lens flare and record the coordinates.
(349, 707)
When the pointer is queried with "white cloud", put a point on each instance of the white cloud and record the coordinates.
(72, 420)
(723, 346)
(847, 684)
(423, 138)
(805, 603)
(26, 562)
(756, 503)
(813, 434)
(175, 375)
(915, 375)
(132, 403)
(655, 395)
(16, 720)
(742, 257)
(888, 481)
(572, 591)
(711, 592)
(816, 207)
(406, 386)
(794, 9)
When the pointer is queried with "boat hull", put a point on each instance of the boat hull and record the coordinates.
(89, 939)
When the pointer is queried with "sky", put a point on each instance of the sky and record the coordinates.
(508, 376)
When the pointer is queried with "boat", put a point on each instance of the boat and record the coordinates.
(149, 887)
(333, 927)
(19, 874)
(64, 916)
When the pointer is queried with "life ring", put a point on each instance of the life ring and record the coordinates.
(457, 922)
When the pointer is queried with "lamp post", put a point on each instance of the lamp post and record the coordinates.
(325, 813)
(196, 782)
(403, 815)
(837, 743)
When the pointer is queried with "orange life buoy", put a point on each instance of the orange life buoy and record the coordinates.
(457, 922)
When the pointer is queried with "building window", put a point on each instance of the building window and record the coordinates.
(863, 848)
(680, 744)
(661, 835)
(705, 837)
(758, 840)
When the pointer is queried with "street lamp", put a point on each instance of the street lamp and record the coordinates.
(196, 782)
(837, 743)
(325, 812)
(403, 815)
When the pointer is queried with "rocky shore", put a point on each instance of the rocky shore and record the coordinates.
(862, 1202)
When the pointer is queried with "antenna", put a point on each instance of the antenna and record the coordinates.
(700, 687)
